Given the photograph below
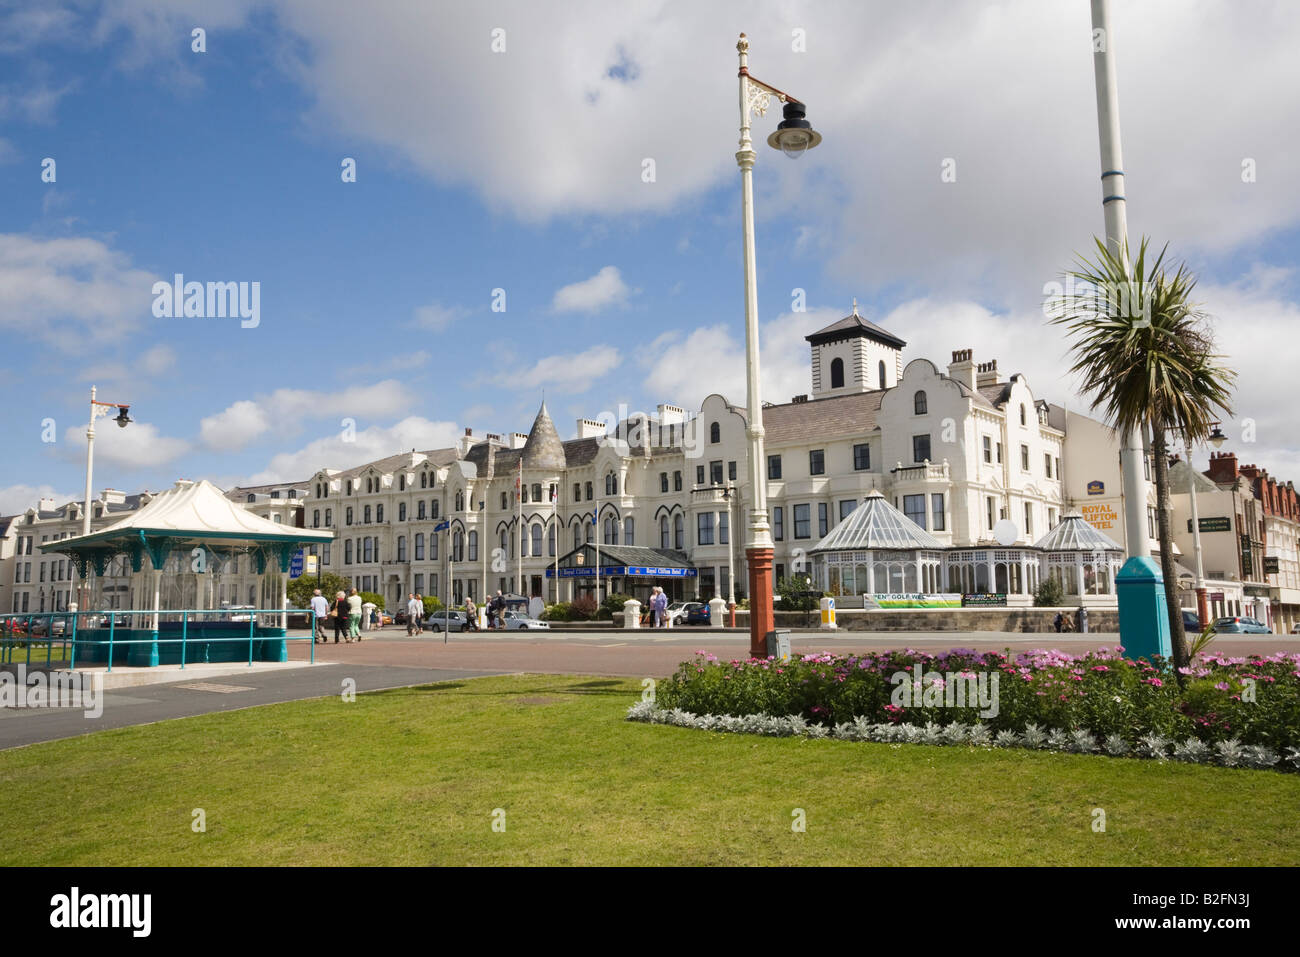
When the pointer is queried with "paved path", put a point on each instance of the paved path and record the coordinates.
(390, 659)
(149, 703)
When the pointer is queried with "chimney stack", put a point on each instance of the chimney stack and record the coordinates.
(1223, 468)
(962, 368)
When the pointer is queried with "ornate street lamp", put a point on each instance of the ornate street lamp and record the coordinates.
(793, 136)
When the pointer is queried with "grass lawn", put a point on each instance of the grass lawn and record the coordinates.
(412, 776)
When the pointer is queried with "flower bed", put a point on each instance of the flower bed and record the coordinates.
(1232, 710)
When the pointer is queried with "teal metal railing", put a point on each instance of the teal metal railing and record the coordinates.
(26, 631)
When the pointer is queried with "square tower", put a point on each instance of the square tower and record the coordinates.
(854, 355)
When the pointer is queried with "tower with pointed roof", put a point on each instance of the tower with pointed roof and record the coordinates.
(854, 355)
(544, 450)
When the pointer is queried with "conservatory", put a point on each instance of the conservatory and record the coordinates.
(1083, 559)
(877, 549)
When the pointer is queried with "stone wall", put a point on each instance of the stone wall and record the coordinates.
(1029, 620)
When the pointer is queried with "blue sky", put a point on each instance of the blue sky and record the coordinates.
(522, 170)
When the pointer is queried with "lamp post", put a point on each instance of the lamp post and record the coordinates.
(1217, 438)
(793, 136)
(97, 410)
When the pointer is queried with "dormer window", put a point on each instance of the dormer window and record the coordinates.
(251, 498)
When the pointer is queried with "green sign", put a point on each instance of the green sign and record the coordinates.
(1217, 524)
(984, 601)
(1271, 565)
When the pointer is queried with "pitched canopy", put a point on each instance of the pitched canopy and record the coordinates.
(877, 524)
(1074, 534)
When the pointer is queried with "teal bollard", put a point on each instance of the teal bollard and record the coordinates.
(1143, 615)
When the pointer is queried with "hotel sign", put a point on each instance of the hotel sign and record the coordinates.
(1219, 523)
(1096, 488)
(1100, 515)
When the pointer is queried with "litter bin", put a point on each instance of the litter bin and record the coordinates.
(778, 644)
(828, 614)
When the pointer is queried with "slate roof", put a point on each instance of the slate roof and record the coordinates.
(544, 450)
(634, 555)
(855, 325)
(830, 418)
(877, 524)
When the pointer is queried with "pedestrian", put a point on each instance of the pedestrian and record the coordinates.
(471, 614)
(1067, 623)
(419, 614)
(354, 616)
(321, 609)
(413, 609)
(1056, 622)
(497, 608)
(1081, 617)
(659, 602)
(339, 613)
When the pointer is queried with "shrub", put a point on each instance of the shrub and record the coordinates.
(1049, 594)
(582, 608)
(789, 598)
(375, 597)
(612, 605)
(560, 611)
(432, 603)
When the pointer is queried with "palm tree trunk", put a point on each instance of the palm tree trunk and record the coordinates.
(1177, 639)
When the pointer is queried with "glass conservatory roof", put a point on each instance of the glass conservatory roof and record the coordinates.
(877, 524)
(1074, 534)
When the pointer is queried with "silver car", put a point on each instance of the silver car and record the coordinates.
(445, 621)
(519, 621)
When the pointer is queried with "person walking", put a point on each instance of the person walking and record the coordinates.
(321, 609)
(340, 615)
(354, 616)
(471, 614)
(413, 609)
(1056, 622)
(659, 602)
(495, 609)
(419, 614)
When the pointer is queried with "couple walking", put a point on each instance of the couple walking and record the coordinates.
(345, 612)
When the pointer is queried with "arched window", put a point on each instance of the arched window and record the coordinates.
(919, 404)
(424, 480)
(715, 433)
(1022, 413)
(663, 532)
(550, 541)
(329, 517)
(401, 482)
(837, 373)
(252, 498)
(577, 535)
(349, 515)
(315, 518)
(537, 540)
(880, 367)
(460, 501)
(458, 546)
(608, 476)
(628, 528)
(679, 532)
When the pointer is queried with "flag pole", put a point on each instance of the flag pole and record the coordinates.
(519, 557)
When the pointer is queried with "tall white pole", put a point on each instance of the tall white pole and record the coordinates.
(758, 541)
(519, 555)
(1201, 603)
(595, 521)
(90, 462)
(1114, 205)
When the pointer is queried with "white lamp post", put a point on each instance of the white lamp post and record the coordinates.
(97, 410)
(1217, 438)
(793, 136)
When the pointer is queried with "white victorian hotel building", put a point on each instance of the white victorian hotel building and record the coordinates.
(957, 450)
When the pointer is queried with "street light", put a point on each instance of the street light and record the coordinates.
(794, 136)
(97, 410)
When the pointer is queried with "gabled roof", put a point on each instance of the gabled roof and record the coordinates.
(852, 326)
(877, 524)
(1074, 534)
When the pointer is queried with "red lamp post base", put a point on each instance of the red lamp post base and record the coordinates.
(761, 617)
(1203, 608)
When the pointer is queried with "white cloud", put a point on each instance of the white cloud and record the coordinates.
(60, 289)
(435, 317)
(234, 427)
(564, 373)
(376, 442)
(139, 446)
(15, 499)
(606, 288)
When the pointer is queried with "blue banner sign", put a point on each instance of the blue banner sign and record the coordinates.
(295, 565)
(610, 571)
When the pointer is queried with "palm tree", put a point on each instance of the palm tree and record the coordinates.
(1147, 358)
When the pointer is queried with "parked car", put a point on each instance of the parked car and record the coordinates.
(59, 626)
(519, 621)
(675, 612)
(445, 620)
(1241, 626)
(1191, 622)
(696, 613)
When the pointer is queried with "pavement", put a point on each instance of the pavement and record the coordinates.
(389, 658)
